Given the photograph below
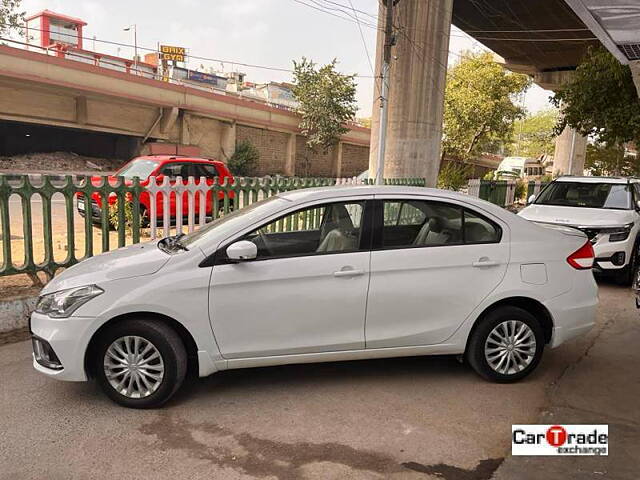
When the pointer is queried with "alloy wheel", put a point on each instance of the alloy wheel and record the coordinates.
(510, 347)
(133, 366)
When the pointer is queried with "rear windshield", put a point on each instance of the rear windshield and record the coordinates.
(587, 195)
(138, 168)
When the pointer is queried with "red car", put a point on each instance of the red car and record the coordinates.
(161, 166)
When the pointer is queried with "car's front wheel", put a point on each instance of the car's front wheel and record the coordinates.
(507, 345)
(140, 363)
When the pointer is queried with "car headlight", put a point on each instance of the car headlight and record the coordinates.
(619, 234)
(63, 303)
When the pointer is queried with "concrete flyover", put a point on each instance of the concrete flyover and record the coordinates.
(45, 90)
(545, 39)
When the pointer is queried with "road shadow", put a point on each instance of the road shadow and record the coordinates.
(335, 375)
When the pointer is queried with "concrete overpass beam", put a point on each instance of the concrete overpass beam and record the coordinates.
(227, 140)
(82, 113)
(169, 116)
(571, 147)
(416, 99)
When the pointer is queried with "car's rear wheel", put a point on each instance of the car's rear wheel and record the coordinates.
(507, 345)
(140, 363)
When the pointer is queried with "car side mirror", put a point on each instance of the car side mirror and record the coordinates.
(242, 251)
(532, 198)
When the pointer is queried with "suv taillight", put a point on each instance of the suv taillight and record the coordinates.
(582, 259)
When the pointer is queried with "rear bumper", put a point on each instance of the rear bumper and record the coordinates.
(574, 313)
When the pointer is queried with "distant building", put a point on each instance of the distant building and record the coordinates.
(47, 31)
(47, 28)
(275, 93)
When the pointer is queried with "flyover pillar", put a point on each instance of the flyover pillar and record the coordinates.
(571, 147)
(570, 153)
(416, 97)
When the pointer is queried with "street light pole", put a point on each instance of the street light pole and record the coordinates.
(135, 45)
(384, 94)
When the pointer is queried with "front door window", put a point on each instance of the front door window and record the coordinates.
(329, 228)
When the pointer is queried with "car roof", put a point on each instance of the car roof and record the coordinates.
(320, 193)
(176, 158)
(585, 179)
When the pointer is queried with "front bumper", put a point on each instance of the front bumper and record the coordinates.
(68, 338)
(96, 211)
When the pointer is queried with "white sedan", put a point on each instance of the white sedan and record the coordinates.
(316, 275)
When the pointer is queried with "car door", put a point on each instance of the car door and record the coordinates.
(432, 263)
(306, 290)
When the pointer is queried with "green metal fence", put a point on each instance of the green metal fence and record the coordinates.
(39, 217)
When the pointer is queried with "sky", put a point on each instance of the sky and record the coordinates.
(258, 32)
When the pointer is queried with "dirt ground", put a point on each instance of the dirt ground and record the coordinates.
(57, 162)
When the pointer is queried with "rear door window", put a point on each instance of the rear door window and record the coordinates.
(416, 223)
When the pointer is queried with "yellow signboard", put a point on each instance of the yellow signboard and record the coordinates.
(176, 54)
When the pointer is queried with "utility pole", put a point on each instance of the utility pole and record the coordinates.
(134, 27)
(389, 41)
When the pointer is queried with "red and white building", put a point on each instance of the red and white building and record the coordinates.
(61, 35)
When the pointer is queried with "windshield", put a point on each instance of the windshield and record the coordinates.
(587, 195)
(230, 218)
(141, 168)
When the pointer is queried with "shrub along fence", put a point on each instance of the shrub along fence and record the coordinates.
(42, 228)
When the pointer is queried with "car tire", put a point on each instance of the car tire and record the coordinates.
(508, 334)
(155, 375)
(624, 276)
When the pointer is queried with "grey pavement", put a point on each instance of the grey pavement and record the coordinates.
(603, 387)
(422, 418)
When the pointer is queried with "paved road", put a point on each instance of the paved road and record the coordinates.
(404, 418)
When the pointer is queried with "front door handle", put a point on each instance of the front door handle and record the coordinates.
(485, 262)
(348, 273)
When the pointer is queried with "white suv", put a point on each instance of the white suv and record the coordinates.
(605, 208)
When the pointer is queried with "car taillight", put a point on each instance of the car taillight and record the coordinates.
(582, 259)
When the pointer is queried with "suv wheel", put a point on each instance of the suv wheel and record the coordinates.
(506, 346)
(140, 363)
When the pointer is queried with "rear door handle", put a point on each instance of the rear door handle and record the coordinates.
(485, 262)
(348, 273)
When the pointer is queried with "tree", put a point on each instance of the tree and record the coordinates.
(10, 18)
(327, 101)
(535, 134)
(244, 160)
(606, 160)
(479, 105)
(601, 100)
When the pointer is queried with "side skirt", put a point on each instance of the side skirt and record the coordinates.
(341, 356)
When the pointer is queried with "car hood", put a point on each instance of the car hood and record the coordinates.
(577, 216)
(126, 262)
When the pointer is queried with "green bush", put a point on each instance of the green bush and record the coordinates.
(454, 176)
(244, 160)
(128, 216)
